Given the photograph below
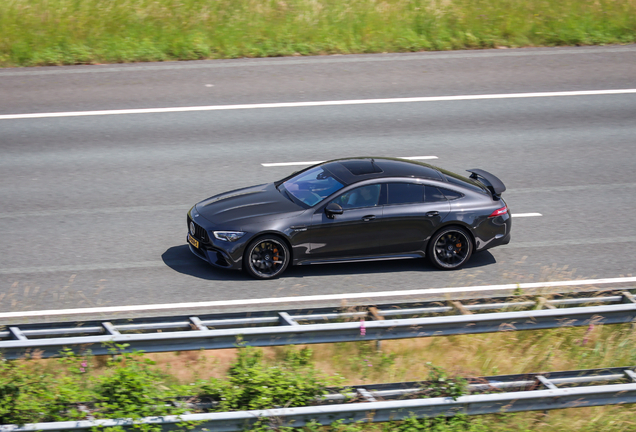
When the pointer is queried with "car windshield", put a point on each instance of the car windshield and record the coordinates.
(312, 186)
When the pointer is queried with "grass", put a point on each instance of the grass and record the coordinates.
(465, 355)
(406, 360)
(61, 32)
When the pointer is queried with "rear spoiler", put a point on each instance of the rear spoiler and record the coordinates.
(492, 182)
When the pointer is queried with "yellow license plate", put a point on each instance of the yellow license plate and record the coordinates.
(194, 242)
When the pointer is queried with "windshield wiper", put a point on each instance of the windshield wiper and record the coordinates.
(283, 189)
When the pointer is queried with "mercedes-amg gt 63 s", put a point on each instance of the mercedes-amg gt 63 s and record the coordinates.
(356, 209)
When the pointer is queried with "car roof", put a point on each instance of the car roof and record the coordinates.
(353, 170)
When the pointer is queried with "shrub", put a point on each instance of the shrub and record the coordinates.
(253, 385)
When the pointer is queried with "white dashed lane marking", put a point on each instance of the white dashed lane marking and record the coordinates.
(525, 214)
(282, 164)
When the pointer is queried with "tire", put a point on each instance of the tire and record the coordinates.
(266, 257)
(450, 248)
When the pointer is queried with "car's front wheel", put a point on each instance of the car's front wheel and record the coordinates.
(450, 248)
(266, 257)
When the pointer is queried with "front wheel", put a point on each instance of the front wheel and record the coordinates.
(450, 248)
(266, 257)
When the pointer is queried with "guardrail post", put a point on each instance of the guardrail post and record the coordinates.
(377, 317)
(628, 297)
(286, 319)
(110, 329)
(17, 334)
(542, 303)
(366, 395)
(630, 375)
(197, 324)
(459, 307)
(547, 383)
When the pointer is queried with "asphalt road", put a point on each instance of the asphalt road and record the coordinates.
(92, 209)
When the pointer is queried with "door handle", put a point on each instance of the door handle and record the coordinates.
(432, 213)
(368, 218)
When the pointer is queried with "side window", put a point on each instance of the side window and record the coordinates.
(405, 193)
(365, 196)
(433, 194)
(451, 195)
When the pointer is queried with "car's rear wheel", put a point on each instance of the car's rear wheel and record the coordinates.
(450, 248)
(266, 257)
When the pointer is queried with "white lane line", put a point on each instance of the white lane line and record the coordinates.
(282, 164)
(418, 157)
(525, 214)
(317, 103)
(573, 242)
(374, 295)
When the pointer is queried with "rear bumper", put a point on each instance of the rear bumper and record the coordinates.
(497, 241)
(493, 232)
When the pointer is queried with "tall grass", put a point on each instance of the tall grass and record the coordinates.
(497, 354)
(465, 355)
(55, 32)
(400, 360)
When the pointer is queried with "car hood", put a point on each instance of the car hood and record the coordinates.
(235, 207)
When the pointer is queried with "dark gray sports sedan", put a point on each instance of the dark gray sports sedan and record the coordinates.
(356, 209)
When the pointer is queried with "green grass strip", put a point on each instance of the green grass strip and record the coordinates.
(62, 32)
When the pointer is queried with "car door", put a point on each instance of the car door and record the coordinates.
(412, 213)
(352, 233)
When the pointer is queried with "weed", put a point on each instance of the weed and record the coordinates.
(441, 384)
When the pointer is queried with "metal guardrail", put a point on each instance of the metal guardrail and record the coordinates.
(184, 333)
(518, 382)
(555, 390)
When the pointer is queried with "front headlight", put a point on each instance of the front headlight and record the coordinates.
(229, 236)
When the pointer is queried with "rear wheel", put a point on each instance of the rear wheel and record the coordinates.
(266, 257)
(450, 248)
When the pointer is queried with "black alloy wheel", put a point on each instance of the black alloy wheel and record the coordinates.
(266, 257)
(450, 248)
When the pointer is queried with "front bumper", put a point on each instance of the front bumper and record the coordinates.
(221, 254)
(216, 257)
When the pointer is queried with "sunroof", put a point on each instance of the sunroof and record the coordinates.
(361, 167)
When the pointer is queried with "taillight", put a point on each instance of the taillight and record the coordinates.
(499, 212)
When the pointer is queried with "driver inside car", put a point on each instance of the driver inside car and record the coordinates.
(366, 196)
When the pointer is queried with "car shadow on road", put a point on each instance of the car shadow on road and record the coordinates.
(180, 259)
(390, 266)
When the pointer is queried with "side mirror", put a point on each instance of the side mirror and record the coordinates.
(333, 209)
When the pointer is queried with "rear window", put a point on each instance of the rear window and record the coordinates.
(464, 182)
(451, 194)
(433, 194)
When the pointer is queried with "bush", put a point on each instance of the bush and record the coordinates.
(253, 385)
(132, 388)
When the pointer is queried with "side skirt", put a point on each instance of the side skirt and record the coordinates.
(361, 259)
